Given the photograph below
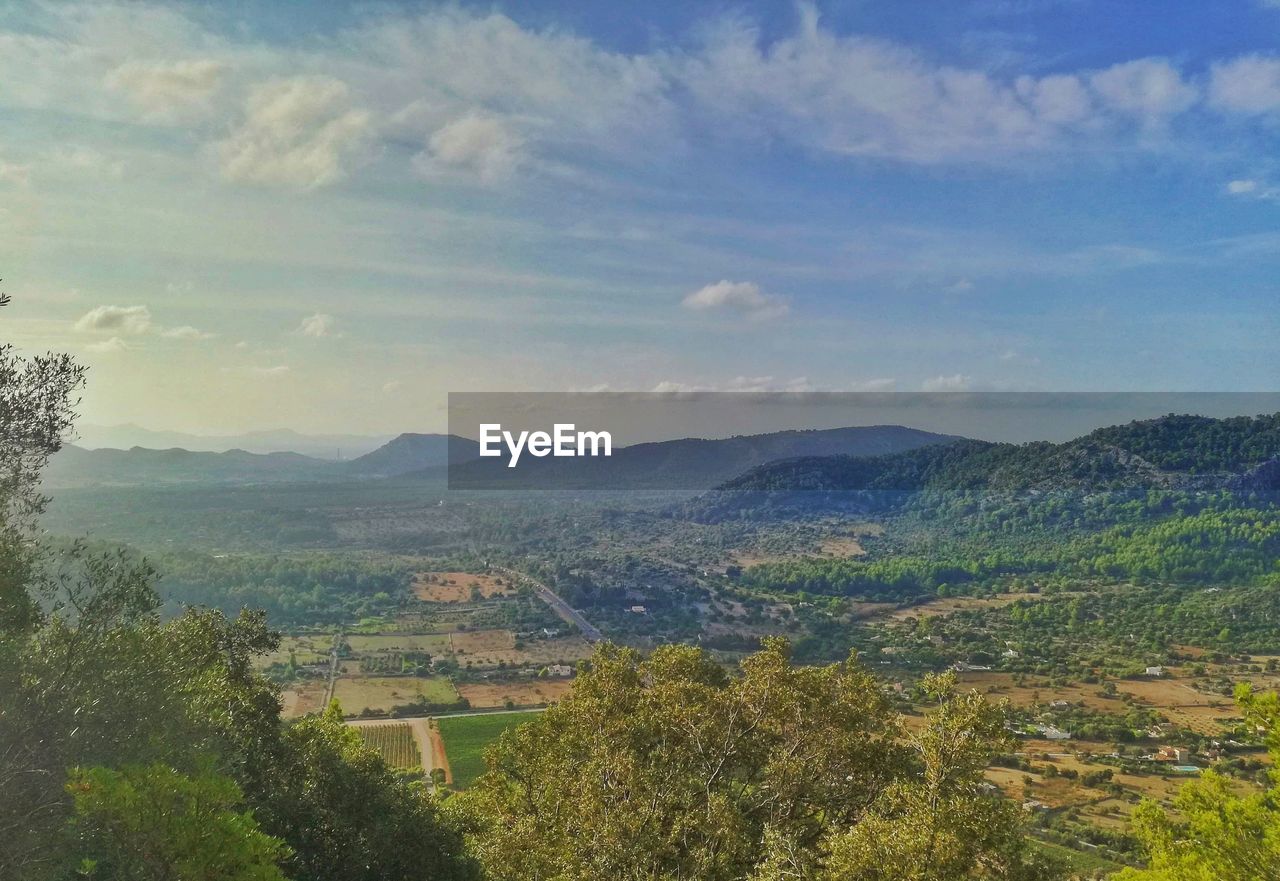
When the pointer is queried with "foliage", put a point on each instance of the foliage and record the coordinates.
(1215, 834)
(666, 767)
(151, 822)
(93, 678)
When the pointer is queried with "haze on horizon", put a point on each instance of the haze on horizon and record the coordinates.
(258, 216)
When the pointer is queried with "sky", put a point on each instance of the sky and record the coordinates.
(327, 216)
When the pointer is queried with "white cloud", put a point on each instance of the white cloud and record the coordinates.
(483, 147)
(113, 344)
(567, 90)
(1149, 89)
(956, 382)
(162, 89)
(391, 386)
(861, 96)
(318, 326)
(960, 286)
(1247, 85)
(253, 370)
(186, 332)
(298, 132)
(1061, 99)
(122, 319)
(741, 297)
(1249, 188)
(761, 384)
(133, 321)
(883, 384)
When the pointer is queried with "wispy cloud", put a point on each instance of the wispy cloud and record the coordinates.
(743, 298)
(298, 132)
(955, 382)
(133, 321)
(318, 326)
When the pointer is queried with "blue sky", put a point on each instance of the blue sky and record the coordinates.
(326, 217)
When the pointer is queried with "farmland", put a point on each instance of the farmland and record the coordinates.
(518, 693)
(459, 587)
(394, 741)
(465, 738)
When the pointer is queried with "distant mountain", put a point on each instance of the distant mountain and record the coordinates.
(75, 466)
(137, 466)
(410, 453)
(284, 440)
(689, 463)
(1172, 452)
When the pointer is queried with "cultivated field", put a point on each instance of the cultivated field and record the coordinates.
(489, 648)
(431, 643)
(522, 693)
(465, 738)
(358, 693)
(308, 649)
(459, 587)
(394, 741)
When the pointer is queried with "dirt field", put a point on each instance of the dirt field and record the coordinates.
(957, 604)
(489, 648)
(458, 587)
(432, 643)
(310, 649)
(356, 693)
(472, 642)
(998, 685)
(523, 693)
(1183, 705)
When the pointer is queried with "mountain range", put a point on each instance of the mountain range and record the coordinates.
(689, 463)
(76, 466)
(1172, 452)
(281, 440)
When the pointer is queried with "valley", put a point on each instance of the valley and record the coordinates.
(1114, 619)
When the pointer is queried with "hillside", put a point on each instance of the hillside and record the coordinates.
(1172, 452)
(690, 463)
(282, 440)
(410, 452)
(75, 466)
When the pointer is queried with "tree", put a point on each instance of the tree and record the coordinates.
(151, 823)
(347, 816)
(1216, 834)
(92, 676)
(667, 767)
(941, 824)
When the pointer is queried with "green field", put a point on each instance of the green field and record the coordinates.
(465, 738)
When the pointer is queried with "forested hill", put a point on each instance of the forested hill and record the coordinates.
(1172, 452)
(689, 463)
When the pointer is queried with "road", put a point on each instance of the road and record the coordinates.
(333, 667)
(566, 612)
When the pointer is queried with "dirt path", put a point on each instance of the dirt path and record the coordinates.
(422, 736)
(439, 757)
